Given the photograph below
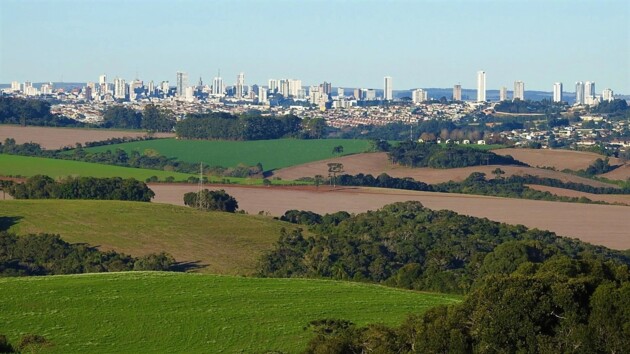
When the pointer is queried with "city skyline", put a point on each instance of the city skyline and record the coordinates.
(349, 43)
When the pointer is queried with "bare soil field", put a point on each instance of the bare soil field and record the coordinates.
(606, 225)
(608, 198)
(56, 138)
(377, 163)
(559, 159)
(621, 173)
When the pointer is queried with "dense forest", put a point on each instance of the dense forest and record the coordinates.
(151, 118)
(46, 254)
(249, 126)
(115, 188)
(413, 154)
(527, 290)
(562, 305)
(407, 245)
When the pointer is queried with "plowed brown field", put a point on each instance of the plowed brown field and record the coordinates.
(56, 138)
(606, 225)
(608, 198)
(377, 163)
(621, 174)
(558, 159)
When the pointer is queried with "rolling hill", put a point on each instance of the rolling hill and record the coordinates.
(172, 312)
(213, 242)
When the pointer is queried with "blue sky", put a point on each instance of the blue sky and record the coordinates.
(349, 43)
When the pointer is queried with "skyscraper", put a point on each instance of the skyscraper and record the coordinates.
(607, 95)
(262, 95)
(557, 92)
(481, 86)
(387, 90)
(102, 79)
(503, 93)
(419, 95)
(579, 92)
(217, 85)
(120, 88)
(589, 92)
(457, 93)
(182, 83)
(519, 90)
(273, 86)
(240, 86)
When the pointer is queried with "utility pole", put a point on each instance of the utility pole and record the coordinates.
(200, 203)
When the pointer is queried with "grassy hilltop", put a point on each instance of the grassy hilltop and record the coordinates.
(225, 243)
(167, 312)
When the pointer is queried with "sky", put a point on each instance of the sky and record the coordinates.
(420, 44)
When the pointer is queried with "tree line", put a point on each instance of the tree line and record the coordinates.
(115, 188)
(23, 111)
(249, 126)
(414, 154)
(48, 254)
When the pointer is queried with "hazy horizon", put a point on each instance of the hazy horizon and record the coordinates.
(349, 43)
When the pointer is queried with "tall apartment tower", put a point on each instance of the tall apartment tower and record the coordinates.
(589, 92)
(457, 93)
(120, 88)
(503, 93)
(481, 86)
(102, 79)
(182, 83)
(217, 85)
(607, 95)
(387, 89)
(579, 92)
(240, 86)
(519, 90)
(557, 92)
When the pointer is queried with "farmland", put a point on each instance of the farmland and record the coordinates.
(13, 165)
(377, 163)
(219, 242)
(558, 159)
(272, 154)
(56, 138)
(168, 312)
(605, 225)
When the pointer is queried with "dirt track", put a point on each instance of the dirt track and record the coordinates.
(56, 138)
(377, 163)
(606, 225)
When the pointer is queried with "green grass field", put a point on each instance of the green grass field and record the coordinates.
(225, 243)
(272, 154)
(13, 165)
(139, 312)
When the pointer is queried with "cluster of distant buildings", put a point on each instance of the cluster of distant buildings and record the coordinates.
(322, 96)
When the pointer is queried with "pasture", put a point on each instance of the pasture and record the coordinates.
(272, 154)
(25, 166)
(142, 312)
(214, 242)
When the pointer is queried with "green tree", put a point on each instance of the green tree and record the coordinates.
(211, 200)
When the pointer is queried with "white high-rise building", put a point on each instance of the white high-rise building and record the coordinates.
(579, 92)
(503, 93)
(387, 89)
(189, 93)
(419, 95)
(47, 89)
(481, 86)
(340, 92)
(151, 88)
(262, 95)
(291, 88)
(457, 93)
(589, 92)
(120, 88)
(557, 92)
(273, 86)
(102, 79)
(519, 91)
(15, 86)
(239, 88)
(182, 83)
(607, 95)
(165, 86)
(217, 86)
